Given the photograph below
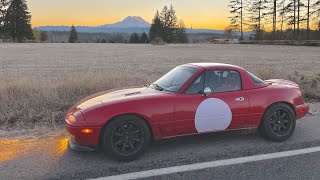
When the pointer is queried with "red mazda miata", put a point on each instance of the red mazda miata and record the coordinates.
(190, 99)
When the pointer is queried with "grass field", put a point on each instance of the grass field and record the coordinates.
(38, 79)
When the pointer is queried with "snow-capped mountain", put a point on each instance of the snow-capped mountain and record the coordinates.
(129, 22)
(128, 25)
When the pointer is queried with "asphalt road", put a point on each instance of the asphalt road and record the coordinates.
(49, 158)
(300, 167)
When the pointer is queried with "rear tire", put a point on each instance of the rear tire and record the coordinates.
(126, 137)
(278, 123)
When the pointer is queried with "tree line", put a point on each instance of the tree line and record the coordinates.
(165, 28)
(276, 19)
(136, 38)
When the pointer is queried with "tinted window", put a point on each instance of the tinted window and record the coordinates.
(256, 80)
(196, 86)
(223, 81)
(176, 78)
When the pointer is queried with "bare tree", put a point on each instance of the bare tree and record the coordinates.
(308, 19)
(300, 5)
(282, 15)
(256, 14)
(316, 12)
(236, 18)
(180, 34)
(290, 11)
(274, 27)
(272, 6)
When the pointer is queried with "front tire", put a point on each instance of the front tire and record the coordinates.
(126, 137)
(278, 123)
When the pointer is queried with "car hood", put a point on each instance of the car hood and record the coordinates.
(115, 95)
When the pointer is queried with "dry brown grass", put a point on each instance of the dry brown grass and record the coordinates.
(38, 79)
(309, 84)
(29, 103)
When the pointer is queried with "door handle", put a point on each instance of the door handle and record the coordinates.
(240, 99)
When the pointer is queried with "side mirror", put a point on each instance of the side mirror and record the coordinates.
(207, 91)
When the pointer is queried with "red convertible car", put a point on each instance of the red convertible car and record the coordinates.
(190, 99)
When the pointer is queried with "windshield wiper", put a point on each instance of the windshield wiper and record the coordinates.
(159, 88)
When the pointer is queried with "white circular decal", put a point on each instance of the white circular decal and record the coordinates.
(213, 115)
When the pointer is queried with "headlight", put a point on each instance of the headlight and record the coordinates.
(71, 119)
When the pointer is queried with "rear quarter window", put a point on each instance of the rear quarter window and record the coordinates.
(255, 79)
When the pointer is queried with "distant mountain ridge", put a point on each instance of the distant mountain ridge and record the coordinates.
(128, 25)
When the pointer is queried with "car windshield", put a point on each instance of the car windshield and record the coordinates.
(175, 79)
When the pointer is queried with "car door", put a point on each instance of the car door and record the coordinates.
(225, 108)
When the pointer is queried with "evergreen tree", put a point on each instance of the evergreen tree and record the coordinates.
(165, 27)
(157, 28)
(169, 19)
(144, 38)
(134, 38)
(73, 35)
(181, 35)
(43, 36)
(17, 21)
(3, 10)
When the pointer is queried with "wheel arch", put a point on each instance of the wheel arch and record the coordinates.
(279, 102)
(125, 114)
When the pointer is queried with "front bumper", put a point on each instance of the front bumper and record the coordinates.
(78, 147)
(80, 139)
(301, 110)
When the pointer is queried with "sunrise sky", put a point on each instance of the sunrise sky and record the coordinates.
(210, 14)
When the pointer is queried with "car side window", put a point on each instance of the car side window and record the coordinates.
(196, 87)
(223, 81)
